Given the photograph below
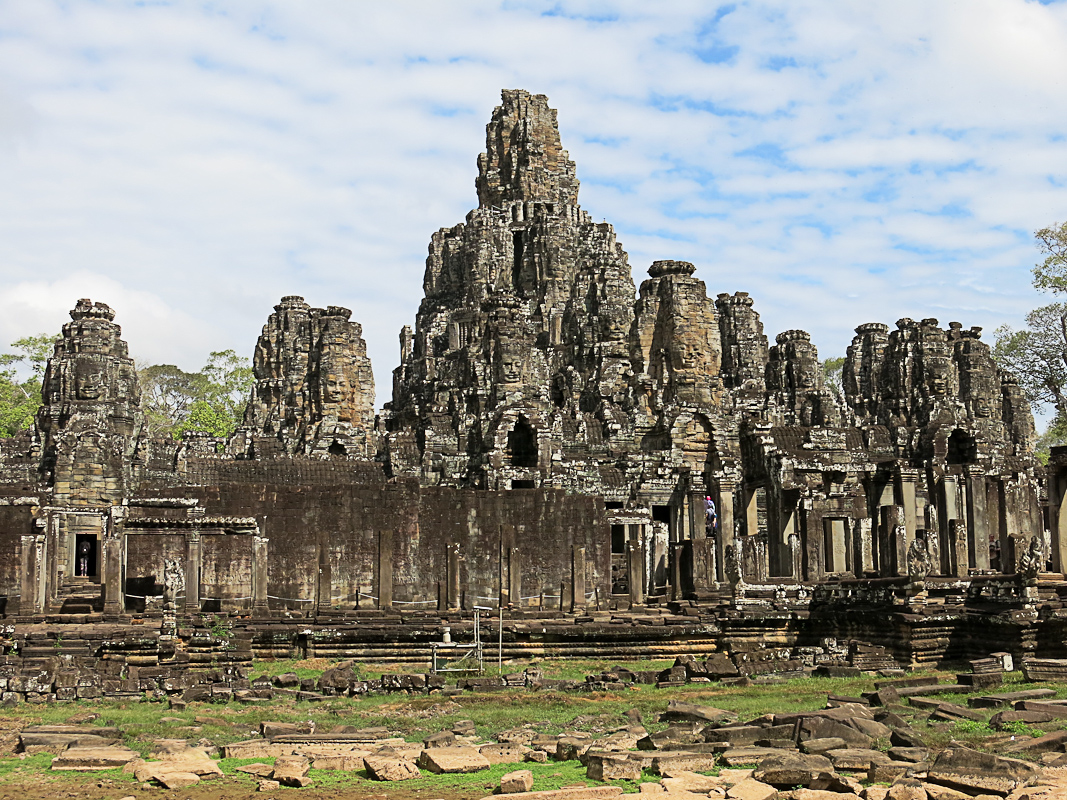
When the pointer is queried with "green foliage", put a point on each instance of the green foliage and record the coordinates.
(20, 395)
(833, 370)
(1020, 728)
(1051, 274)
(210, 401)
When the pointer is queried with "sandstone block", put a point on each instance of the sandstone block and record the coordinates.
(84, 759)
(612, 768)
(505, 753)
(521, 780)
(794, 769)
(751, 789)
(383, 768)
(453, 759)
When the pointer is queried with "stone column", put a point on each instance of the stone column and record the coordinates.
(514, 577)
(114, 552)
(1059, 528)
(978, 544)
(897, 528)
(725, 505)
(703, 571)
(577, 579)
(862, 542)
(907, 479)
(32, 556)
(813, 543)
(636, 564)
(259, 575)
(193, 555)
(385, 568)
(959, 545)
(452, 578)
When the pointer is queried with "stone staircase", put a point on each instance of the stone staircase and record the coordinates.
(78, 596)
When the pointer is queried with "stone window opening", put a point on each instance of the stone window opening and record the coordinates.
(516, 267)
(522, 445)
(962, 449)
(337, 449)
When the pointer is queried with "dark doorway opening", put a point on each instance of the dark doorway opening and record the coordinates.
(86, 562)
(522, 445)
(337, 449)
(962, 449)
(661, 514)
(523, 485)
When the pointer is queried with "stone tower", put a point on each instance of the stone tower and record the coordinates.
(91, 414)
(314, 389)
(521, 343)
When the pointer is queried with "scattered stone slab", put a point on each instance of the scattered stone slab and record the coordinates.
(385, 768)
(267, 786)
(505, 753)
(1002, 719)
(291, 771)
(1052, 709)
(57, 738)
(1008, 698)
(950, 712)
(794, 769)
(453, 759)
(856, 760)
(822, 746)
(1049, 743)
(689, 762)
(259, 770)
(611, 767)
(569, 793)
(678, 711)
(976, 773)
(741, 756)
(88, 759)
(692, 782)
(521, 780)
(177, 780)
(751, 789)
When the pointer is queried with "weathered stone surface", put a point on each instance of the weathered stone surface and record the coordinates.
(976, 772)
(384, 768)
(678, 711)
(314, 390)
(521, 780)
(291, 771)
(794, 769)
(504, 753)
(574, 793)
(453, 759)
(604, 767)
(750, 789)
(83, 759)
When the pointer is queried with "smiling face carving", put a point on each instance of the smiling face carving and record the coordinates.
(88, 381)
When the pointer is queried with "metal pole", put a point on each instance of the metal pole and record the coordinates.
(500, 644)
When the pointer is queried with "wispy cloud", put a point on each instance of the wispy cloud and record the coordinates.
(190, 163)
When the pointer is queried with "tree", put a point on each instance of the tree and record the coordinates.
(20, 396)
(209, 401)
(1037, 355)
(832, 370)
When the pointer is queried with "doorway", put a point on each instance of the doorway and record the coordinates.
(86, 560)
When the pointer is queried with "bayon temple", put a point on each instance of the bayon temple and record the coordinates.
(620, 469)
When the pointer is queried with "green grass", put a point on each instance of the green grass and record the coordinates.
(415, 716)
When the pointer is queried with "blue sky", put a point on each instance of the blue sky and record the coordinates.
(191, 162)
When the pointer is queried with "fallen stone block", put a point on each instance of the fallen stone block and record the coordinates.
(856, 760)
(689, 762)
(1049, 743)
(384, 768)
(571, 793)
(740, 756)
(505, 753)
(291, 771)
(87, 759)
(521, 780)
(177, 780)
(751, 789)
(453, 759)
(259, 770)
(1008, 698)
(822, 746)
(791, 770)
(687, 712)
(267, 786)
(979, 773)
(610, 767)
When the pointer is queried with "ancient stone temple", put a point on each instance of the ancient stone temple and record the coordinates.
(559, 441)
(314, 391)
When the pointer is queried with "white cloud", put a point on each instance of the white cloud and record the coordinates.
(189, 163)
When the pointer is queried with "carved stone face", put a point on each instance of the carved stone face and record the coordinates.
(88, 381)
(937, 376)
(510, 369)
(335, 388)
